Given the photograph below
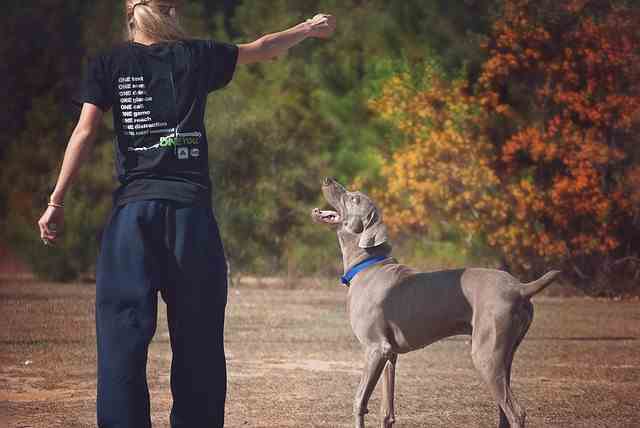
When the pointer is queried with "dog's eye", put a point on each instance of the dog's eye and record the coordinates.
(355, 200)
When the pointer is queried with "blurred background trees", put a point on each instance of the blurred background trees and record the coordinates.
(538, 157)
(562, 86)
(492, 132)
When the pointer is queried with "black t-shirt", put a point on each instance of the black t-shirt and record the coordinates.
(158, 94)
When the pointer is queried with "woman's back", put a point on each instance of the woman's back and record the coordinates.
(158, 95)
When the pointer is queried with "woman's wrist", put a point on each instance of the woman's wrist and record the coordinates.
(306, 28)
(56, 200)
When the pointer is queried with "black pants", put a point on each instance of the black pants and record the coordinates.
(150, 247)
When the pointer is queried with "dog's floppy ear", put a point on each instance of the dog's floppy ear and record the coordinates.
(375, 232)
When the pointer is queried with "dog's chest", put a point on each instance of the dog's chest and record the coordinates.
(369, 290)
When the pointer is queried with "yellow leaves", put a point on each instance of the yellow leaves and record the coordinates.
(444, 167)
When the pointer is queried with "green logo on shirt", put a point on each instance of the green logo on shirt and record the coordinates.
(174, 141)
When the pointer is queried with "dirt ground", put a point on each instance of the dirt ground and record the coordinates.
(293, 362)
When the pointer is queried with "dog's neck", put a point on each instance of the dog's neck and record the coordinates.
(352, 254)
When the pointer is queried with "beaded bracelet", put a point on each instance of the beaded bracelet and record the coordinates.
(55, 205)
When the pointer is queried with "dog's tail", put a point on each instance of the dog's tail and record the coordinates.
(530, 289)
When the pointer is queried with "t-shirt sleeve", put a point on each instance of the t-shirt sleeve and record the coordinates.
(96, 87)
(221, 60)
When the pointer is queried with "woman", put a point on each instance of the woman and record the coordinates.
(161, 235)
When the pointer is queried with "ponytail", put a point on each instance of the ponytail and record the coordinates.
(156, 19)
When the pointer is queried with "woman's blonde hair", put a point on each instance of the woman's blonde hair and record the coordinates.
(156, 19)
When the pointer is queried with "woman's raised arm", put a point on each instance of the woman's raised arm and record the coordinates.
(276, 44)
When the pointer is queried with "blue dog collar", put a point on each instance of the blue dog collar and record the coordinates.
(347, 277)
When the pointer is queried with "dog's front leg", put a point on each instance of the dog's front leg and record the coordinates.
(387, 410)
(374, 363)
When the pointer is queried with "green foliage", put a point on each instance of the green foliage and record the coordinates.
(53, 37)
(87, 207)
(284, 125)
(277, 130)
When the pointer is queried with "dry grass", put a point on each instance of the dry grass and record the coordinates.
(293, 362)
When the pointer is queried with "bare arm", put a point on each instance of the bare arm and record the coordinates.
(78, 149)
(276, 44)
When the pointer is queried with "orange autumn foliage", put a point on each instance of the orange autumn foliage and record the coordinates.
(444, 169)
(543, 160)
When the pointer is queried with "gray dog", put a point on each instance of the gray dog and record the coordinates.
(394, 309)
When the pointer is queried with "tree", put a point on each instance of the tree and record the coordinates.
(441, 177)
(286, 124)
(43, 54)
(575, 138)
(278, 129)
(551, 176)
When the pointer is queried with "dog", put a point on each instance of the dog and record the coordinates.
(394, 309)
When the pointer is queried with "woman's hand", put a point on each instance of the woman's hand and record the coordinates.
(322, 26)
(275, 45)
(51, 224)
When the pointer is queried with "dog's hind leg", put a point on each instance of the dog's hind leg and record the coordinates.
(376, 357)
(524, 318)
(504, 421)
(492, 353)
(387, 410)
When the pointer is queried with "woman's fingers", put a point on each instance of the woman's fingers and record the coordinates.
(330, 21)
(48, 232)
(323, 25)
(50, 225)
(48, 236)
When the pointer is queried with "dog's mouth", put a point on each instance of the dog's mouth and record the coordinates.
(325, 216)
(332, 191)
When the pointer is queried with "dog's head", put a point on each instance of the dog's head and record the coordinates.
(354, 213)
